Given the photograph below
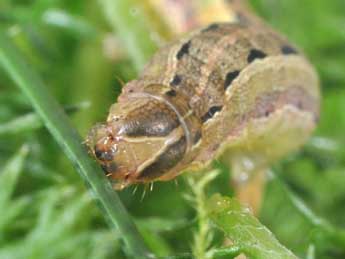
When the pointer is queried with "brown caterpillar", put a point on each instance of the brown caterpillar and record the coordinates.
(227, 90)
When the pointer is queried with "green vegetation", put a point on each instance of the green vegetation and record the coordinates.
(238, 223)
(46, 211)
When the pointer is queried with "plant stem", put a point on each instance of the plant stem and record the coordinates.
(60, 127)
(202, 238)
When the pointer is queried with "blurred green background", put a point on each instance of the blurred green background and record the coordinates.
(45, 210)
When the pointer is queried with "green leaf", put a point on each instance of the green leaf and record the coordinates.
(8, 178)
(239, 224)
(10, 173)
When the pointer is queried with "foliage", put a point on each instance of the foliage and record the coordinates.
(239, 224)
(46, 210)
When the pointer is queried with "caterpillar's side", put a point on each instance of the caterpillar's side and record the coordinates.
(229, 88)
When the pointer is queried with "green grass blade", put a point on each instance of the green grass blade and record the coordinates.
(329, 232)
(60, 127)
(31, 121)
(9, 175)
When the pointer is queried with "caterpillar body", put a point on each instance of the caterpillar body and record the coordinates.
(223, 91)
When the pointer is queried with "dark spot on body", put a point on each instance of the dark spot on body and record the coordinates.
(197, 137)
(212, 27)
(167, 160)
(255, 54)
(211, 112)
(184, 50)
(288, 50)
(109, 168)
(230, 77)
(176, 80)
(171, 93)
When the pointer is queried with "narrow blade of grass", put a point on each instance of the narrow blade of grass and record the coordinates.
(10, 173)
(31, 121)
(329, 232)
(60, 127)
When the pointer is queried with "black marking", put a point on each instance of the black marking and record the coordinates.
(288, 50)
(230, 77)
(212, 27)
(255, 54)
(184, 50)
(103, 155)
(171, 93)
(197, 137)
(165, 161)
(109, 168)
(211, 112)
(267, 113)
(176, 80)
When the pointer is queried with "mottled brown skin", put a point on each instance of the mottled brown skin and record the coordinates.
(226, 90)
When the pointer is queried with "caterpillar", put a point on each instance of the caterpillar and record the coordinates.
(223, 91)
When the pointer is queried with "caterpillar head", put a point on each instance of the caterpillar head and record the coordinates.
(141, 140)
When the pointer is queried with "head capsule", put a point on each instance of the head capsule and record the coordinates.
(142, 139)
(110, 151)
